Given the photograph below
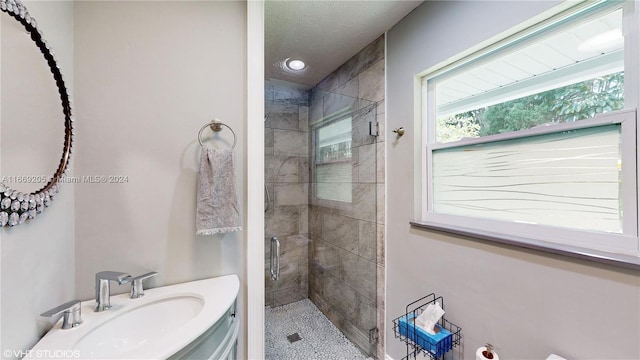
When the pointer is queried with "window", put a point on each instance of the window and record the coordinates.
(534, 135)
(333, 161)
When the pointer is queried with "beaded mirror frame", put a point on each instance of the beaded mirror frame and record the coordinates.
(17, 207)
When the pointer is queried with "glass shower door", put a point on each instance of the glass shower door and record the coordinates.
(343, 222)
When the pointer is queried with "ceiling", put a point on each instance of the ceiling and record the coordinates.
(324, 34)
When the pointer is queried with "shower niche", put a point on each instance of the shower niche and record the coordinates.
(322, 181)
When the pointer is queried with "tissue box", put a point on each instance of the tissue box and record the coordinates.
(436, 344)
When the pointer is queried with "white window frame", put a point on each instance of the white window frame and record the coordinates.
(537, 236)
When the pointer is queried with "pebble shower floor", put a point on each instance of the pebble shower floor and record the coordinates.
(319, 338)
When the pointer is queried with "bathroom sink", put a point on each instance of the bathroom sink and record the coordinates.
(134, 328)
(156, 326)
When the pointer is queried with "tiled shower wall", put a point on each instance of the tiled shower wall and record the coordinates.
(287, 181)
(346, 273)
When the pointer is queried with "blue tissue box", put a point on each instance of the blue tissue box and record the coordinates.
(436, 344)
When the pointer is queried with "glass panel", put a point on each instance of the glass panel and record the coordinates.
(571, 72)
(321, 203)
(569, 179)
(286, 192)
(343, 222)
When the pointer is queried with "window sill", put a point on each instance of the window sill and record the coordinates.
(620, 260)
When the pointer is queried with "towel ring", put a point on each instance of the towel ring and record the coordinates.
(216, 126)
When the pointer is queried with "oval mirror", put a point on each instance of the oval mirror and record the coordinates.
(35, 118)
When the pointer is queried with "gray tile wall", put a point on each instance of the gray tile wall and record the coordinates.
(287, 179)
(346, 273)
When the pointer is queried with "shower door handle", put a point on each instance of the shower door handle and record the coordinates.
(274, 264)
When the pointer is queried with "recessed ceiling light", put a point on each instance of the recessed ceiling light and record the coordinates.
(295, 64)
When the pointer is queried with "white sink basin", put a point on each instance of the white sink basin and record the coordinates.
(123, 333)
(156, 326)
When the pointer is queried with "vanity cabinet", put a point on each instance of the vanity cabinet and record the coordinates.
(219, 342)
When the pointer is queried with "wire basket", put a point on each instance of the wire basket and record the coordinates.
(447, 337)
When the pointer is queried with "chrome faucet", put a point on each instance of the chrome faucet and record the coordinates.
(137, 289)
(71, 314)
(103, 291)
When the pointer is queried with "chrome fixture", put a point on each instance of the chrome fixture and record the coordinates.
(103, 291)
(266, 190)
(275, 259)
(216, 126)
(374, 128)
(488, 351)
(137, 290)
(71, 313)
(399, 131)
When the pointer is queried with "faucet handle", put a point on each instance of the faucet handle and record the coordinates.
(137, 289)
(71, 313)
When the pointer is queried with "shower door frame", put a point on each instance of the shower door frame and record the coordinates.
(255, 182)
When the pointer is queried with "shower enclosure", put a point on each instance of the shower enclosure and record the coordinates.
(321, 205)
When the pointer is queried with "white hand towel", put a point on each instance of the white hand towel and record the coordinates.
(217, 208)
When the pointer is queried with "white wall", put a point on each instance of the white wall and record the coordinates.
(37, 258)
(527, 303)
(148, 76)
